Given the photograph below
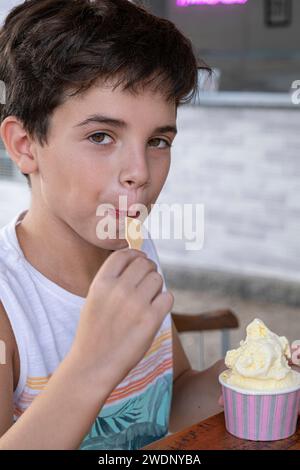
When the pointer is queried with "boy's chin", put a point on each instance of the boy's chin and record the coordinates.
(113, 244)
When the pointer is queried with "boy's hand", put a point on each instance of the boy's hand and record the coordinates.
(295, 350)
(295, 359)
(221, 401)
(123, 312)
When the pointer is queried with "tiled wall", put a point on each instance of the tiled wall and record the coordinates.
(244, 166)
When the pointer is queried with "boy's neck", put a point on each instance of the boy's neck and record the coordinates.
(57, 252)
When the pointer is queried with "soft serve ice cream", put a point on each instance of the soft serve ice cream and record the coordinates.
(261, 361)
(260, 390)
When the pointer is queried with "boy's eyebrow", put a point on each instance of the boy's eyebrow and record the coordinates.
(121, 124)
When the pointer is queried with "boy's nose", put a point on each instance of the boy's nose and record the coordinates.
(136, 174)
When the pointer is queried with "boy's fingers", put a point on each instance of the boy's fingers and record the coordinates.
(295, 353)
(163, 304)
(221, 401)
(137, 270)
(151, 286)
(118, 262)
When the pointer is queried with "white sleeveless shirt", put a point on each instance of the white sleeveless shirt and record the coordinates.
(44, 318)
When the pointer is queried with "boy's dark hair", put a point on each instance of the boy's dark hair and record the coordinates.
(53, 49)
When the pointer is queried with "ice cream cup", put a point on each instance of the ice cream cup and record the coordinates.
(260, 415)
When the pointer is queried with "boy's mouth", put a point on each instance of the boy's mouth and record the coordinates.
(122, 214)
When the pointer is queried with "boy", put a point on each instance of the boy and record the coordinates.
(92, 90)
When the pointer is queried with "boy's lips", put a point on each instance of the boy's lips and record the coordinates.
(122, 214)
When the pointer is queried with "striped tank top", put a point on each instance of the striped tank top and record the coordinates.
(44, 319)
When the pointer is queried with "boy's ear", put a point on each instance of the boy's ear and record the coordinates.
(18, 144)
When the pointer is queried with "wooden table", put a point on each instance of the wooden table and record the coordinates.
(212, 435)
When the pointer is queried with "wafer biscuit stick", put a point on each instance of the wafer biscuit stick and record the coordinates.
(133, 233)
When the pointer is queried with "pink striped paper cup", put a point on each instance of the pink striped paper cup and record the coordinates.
(260, 415)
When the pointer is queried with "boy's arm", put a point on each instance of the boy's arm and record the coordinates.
(111, 338)
(60, 416)
(6, 373)
(195, 397)
(195, 394)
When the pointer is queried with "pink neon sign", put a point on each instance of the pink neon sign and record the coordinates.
(186, 3)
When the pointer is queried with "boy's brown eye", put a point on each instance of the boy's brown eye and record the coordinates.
(157, 141)
(99, 138)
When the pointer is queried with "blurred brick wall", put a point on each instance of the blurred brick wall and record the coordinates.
(244, 166)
